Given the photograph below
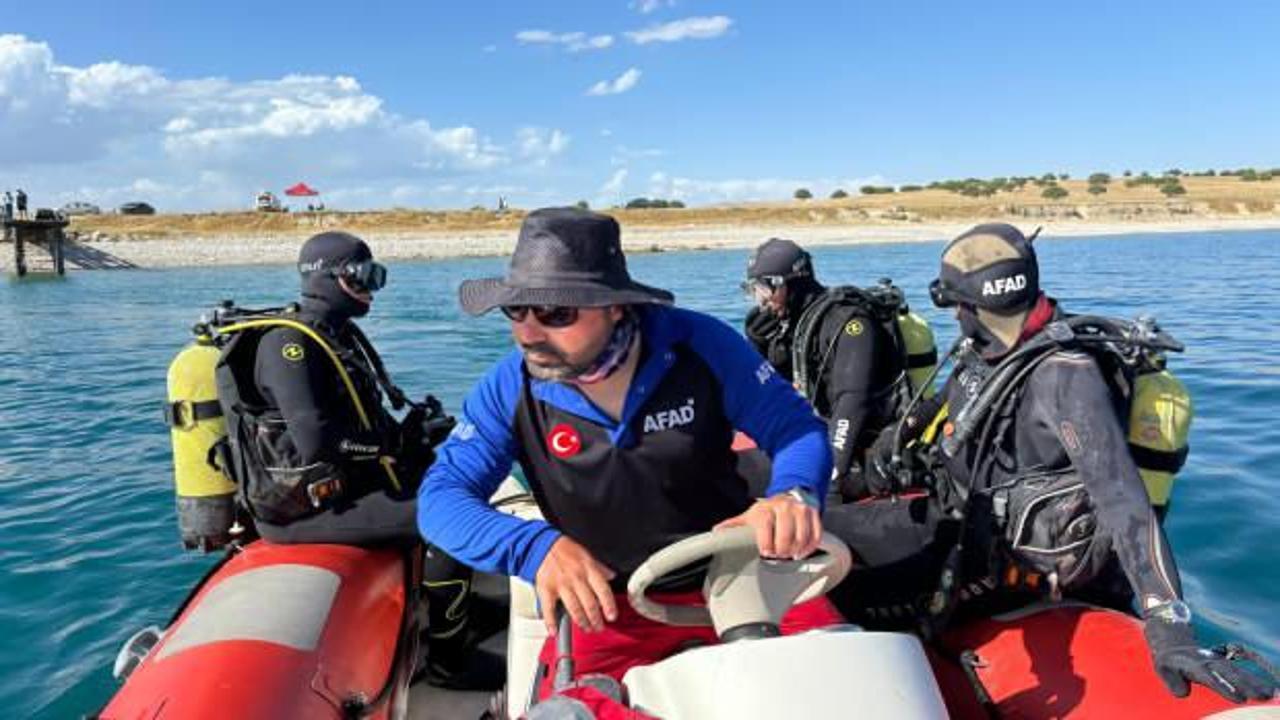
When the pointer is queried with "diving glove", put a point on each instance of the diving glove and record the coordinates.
(426, 425)
(762, 327)
(1179, 660)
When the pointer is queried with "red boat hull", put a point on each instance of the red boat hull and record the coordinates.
(224, 662)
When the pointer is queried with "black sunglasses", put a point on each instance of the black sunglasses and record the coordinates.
(552, 316)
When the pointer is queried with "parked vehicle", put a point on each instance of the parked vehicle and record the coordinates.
(80, 208)
(137, 208)
(267, 202)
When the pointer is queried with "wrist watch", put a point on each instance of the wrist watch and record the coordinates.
(803, 497)
(1174, 611)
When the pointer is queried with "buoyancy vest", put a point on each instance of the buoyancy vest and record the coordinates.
(221, 426)
(1044, 518)
(884, 304)
(672, 474)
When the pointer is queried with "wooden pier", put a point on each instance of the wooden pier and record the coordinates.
(39, 246)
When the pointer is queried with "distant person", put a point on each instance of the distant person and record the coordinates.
(842, 348)
(22, 204)
(8, 205)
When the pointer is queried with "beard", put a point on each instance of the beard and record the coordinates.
(552, 363)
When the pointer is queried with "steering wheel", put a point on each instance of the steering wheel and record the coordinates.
(743, 590)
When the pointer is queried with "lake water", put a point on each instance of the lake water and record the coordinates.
(88, 545)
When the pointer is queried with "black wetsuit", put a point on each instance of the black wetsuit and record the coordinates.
(296, 377)
(857, 362)
(1066, 418)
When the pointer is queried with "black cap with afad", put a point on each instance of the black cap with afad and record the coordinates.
(991, 272)
(991, 267)
(564, 257)
(779, 258)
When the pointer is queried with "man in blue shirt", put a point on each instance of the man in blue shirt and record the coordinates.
(621, 410)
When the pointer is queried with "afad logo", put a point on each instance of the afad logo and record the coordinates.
(564, 441)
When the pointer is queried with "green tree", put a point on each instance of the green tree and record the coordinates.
(910, 188)
(838, 194)
(803, 194)
(1054, 192)
(1097, 189)
(1099, 178)
(583, 205)
(639, 204)
(1173, 188)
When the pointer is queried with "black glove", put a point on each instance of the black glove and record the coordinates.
(1179, 660)
(881, 473)
(426, 425)
(761, 327)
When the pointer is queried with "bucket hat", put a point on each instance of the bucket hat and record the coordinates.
(564, 257)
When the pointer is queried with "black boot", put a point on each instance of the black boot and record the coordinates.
(464, 667)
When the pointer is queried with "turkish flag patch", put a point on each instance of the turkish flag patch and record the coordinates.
(564, 441)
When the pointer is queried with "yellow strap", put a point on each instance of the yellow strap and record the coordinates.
(337, 363)
(931, 431)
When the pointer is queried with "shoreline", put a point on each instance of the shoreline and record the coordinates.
(216, 249)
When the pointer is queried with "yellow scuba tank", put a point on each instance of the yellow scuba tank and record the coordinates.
(922, 351)
(1160, 413)
(205, 496)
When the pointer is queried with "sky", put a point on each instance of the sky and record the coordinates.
(197, 106)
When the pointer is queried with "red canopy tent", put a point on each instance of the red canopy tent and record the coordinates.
(300, 190)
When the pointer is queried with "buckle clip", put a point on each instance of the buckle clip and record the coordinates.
(180, 415)
(323, 491)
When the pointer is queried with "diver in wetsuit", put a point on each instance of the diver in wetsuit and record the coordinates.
(319, 466)
(1059, 455)
(850, 365)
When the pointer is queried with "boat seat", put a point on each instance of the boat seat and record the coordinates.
(525, 631)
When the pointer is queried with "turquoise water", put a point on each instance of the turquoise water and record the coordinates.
(88, 547)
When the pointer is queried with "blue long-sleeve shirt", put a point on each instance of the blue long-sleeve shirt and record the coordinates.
(730, 387)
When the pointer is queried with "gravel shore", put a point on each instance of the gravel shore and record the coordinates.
(197, 251)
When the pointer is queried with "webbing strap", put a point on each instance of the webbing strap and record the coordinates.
(1170, 461)
(916, 361)
(184, 414)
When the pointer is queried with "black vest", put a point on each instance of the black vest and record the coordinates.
(674, 479)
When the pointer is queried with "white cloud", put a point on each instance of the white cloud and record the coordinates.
(692, 28)
(612, 188)
(619, 85)
(489, 48)
(188, 143)
(540, 145)
(572, 41)
(623, 155)
(644, 7)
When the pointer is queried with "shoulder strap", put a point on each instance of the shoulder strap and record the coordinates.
(374, 360)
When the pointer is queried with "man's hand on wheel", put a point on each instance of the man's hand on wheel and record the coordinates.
(570, 575)
(785, 527)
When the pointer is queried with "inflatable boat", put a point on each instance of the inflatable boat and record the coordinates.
(329, 631)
